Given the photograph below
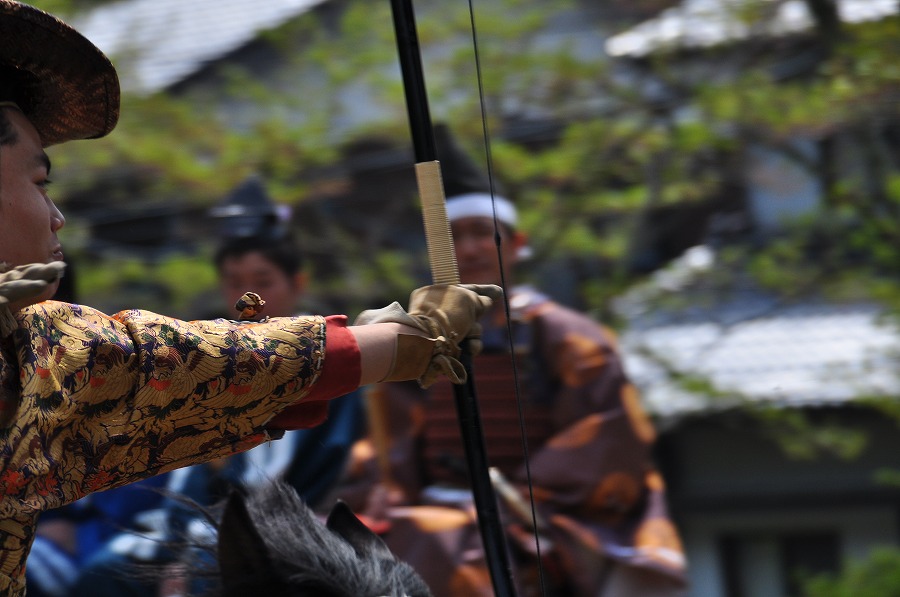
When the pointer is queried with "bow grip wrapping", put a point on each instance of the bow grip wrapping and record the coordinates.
(441, 254)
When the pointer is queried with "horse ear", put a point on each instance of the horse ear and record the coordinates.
(242, 552)
(342, 522)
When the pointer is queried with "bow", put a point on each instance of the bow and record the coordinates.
(442, 259)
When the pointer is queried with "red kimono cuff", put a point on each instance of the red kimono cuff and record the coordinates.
(340, 375)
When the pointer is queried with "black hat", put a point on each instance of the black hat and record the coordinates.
(460, 174)
(66, 87)
(467, 188)
(249, 212)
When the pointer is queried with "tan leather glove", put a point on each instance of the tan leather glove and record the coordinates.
(447, 314)
(22, 283)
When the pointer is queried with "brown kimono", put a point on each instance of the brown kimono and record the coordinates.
(604, 526)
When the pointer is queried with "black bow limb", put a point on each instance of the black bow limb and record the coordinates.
(444, 270)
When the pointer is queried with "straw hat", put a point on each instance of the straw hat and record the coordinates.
(65, 86)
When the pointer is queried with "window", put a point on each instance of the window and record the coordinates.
(774, 564)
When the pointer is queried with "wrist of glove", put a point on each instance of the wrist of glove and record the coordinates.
(447, 314)
(21, 284)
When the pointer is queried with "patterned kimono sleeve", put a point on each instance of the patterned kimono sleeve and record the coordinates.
(90, 402)
(104, 401)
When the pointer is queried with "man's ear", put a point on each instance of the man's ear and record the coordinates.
(519, 240)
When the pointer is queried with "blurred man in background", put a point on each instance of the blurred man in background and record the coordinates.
(602, 525)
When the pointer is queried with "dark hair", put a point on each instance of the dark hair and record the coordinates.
(7, 132)
(16, 86)
(282, 251)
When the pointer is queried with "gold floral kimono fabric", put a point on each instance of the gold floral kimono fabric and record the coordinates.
(90, 402)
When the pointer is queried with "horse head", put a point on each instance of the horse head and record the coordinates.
(271, 543)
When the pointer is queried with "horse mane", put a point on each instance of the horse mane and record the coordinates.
(271, 543)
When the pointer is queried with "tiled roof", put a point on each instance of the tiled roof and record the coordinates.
(706, 23)
(751, 347)
(157, 43)
(805, 355)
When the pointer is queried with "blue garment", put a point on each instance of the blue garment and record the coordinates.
(97, 518)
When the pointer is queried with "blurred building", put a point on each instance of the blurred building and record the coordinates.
(777, 436)
(760, 494)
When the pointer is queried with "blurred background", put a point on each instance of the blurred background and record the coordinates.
(719, 180)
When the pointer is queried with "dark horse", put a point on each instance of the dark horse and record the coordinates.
(270, 543)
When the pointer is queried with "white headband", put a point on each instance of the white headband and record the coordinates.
(473, 205)
(482, 205)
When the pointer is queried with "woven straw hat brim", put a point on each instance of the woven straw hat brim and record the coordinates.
(76, 90)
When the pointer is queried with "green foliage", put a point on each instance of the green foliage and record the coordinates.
(878, 575)
(888, 477)
(620, 156)
(176, 285)
(803, 439)
(67, 7)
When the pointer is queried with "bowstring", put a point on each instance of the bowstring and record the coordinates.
(498, 242)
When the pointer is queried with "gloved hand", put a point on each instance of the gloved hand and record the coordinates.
(447, 314)
(22, 283)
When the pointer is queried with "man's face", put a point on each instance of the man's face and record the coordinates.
(29, 220)
(476, 252)
(253, 272)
